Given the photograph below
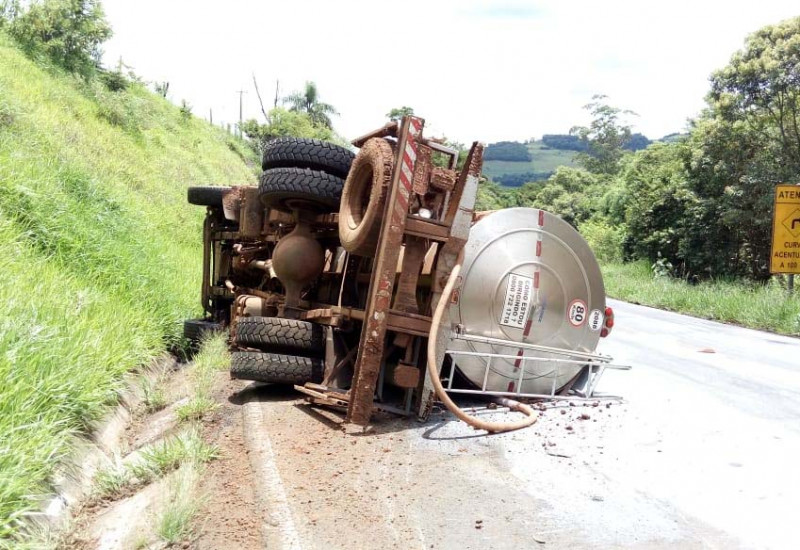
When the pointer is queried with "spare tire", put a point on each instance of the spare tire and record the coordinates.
(293, 152)
(364, 196)
(274, 368)
(281, 335)
(288, 188)
(206, 196)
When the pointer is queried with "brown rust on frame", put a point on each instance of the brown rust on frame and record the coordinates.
(422, 170)
(388, 129)
(443, 179)
(406, 297)
(373, 333)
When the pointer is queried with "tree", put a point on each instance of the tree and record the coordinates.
(605, 137)
(399, 112)
(761, 88)
(657, 205)
(8, 11)
(283, 123)
(308, 102)
(68, 31)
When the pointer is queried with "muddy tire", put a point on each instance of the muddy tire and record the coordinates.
(285, 188)
(195, 330)
(274, 368)
(206, 196)
(292, 152)
(364, 196)
(278, 335)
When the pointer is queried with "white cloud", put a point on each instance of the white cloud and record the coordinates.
(475, 70)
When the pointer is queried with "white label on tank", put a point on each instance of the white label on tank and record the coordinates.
(519, 294)
(596, 320)
(577, 313)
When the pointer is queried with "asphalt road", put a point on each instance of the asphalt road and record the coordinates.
(704, 452)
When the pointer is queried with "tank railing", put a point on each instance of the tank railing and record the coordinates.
(594, 366)
(458, 335)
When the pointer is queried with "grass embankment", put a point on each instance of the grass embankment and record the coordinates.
(765, 307)
(100, 253)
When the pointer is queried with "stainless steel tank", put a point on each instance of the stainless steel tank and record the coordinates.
(528, 276)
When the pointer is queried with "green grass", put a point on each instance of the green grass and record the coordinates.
(101, 254)
(182, 503)
(154, 396)
(165, 456)
(544, 160)
(212, 358)
(111, 481)
(765, 307)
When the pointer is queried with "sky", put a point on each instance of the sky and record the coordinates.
(476, 71)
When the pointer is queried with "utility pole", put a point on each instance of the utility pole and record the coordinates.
(210, 116)
(241, 94)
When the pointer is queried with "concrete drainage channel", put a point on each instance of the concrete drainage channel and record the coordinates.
(142, 482)
(73, 481)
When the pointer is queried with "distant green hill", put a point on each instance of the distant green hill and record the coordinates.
(544, 162)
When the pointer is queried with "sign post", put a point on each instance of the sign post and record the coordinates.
(785, 255)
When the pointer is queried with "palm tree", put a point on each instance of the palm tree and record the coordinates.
(308, 101)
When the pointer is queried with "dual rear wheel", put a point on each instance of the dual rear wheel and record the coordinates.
(279, 351)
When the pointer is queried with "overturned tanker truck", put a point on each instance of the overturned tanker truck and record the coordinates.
(369, 283)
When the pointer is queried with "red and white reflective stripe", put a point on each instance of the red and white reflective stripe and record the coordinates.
(407, 163)
(529, 323)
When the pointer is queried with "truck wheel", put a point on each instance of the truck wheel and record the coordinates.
(364, 196)
(288, 188)
(206, 196)
(292, 152)
(278, 335)
(195, 329)
(274, 368)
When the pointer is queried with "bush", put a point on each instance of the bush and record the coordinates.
(604, 239)
(115, 81)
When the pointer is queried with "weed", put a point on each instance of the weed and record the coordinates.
(111, 481)
(196, 408)
(165, 456)
(212, 357)
(181, 506)
(186, 111)
(153, 395)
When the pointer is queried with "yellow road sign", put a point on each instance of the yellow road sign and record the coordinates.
(785, 257)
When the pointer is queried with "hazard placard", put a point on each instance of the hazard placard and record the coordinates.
(785, 257)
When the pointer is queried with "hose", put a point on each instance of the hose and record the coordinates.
(433, 372)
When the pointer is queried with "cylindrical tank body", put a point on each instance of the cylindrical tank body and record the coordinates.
(528, 276)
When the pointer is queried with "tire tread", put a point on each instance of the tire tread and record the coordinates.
(275, 368)
(275, 334)
(294, 152)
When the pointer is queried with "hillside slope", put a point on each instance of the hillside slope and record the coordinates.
(544, 161)
(100, 252)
